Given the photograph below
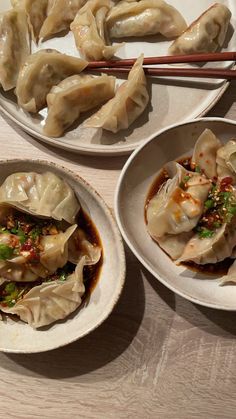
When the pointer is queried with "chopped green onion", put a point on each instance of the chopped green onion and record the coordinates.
(205, 233)
(6, 252)
(186, 178)
(10, 287)
(197, 169)
(209, 203)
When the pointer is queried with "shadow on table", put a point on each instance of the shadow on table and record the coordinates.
(225, 104)
(99, 348)
(96, 162)
(216, 322)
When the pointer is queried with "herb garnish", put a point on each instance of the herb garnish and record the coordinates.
(219, 209)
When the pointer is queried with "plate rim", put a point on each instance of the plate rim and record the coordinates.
(120, 243)
(104, 150)
(122, 230)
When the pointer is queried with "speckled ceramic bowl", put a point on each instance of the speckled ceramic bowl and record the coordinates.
(135, 181)
(16, 336)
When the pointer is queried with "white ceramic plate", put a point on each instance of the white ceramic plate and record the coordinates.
(172, 101)
(135, 181)
(16, 336)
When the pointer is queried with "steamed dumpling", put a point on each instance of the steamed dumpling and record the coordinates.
(60, 14)
(41, 71)
(213, 249)
(128, 104)
(226, 160)
(55, 249)
(90, 33)
(230, 278)
(36, 11)
(80, 246)
(14, 46)
(174, 244)
(206, 34)
(174, 210)
(73, 96)
(145, 17)
(204, 154)
(50, 301)
(41, 195)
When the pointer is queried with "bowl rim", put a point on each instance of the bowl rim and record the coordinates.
(120, 225)
(122, 262)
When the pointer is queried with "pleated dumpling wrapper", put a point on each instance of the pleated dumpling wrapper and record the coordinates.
(144, 17)
(206, 34)
(36, 11)
(41, 195)
(60, 13)
(73, 96)
(174, 211)
(89, 29)
(41, 71)
(14, 46)
(50, 301)
(128, 104)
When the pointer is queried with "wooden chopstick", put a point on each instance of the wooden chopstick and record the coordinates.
(171, 59)
(175, 72)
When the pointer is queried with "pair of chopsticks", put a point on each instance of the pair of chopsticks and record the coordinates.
(124, 66)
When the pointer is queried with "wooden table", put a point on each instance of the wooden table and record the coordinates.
(157, 356)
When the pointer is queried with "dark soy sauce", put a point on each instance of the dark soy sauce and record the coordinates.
(91, 273)
(220, 268)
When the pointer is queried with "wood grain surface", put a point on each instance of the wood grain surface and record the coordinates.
(157, 355)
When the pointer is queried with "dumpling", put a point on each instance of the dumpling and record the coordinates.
(55, 249)
(226, 160)
(73, 96)
(204, 154)
(14, 46)
(41, 195)
(174, 244)
(175, 209)
(213, 249)
(41, 71)
(50, 301)
(206, 34)
(128, 104)
(145, 17)
(60, 14)
(80, 246)
(90, 33)
(230, 278)
(36, 12)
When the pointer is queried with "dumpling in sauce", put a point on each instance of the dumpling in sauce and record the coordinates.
(206, 34)
(174, 244)
(36, 11)
(175, 210)
(14, 46)
(60, 14)
(226, 160)
(230, 277)
(41, 71)
(204, 154)
(145, 17)
(90, 32)
(50, 301)
(73, 96)
(43, 194)
(213, 249)
(80, 246)
(128, 104)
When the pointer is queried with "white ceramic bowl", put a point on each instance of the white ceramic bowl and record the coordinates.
(135, 180)
(16, 336)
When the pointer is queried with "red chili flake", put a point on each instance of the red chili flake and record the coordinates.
(34, 255)
(200, 154)
(227, 181)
